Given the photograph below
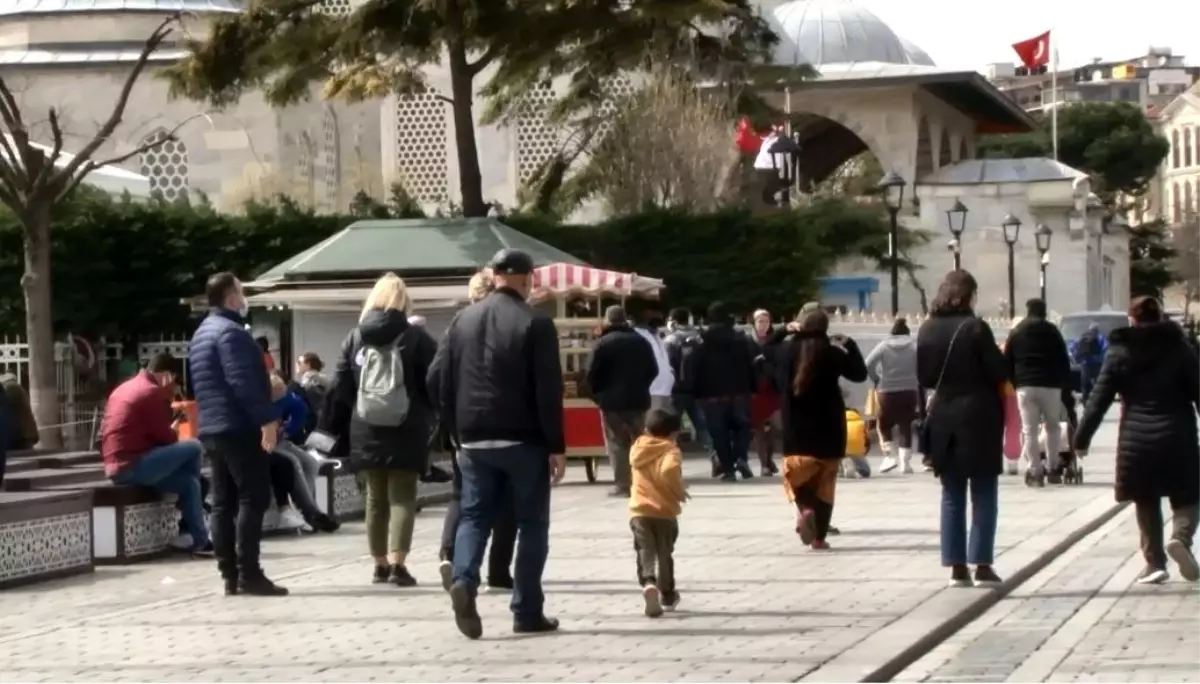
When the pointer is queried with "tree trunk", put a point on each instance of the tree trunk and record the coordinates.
(39, 328)
(462, 87)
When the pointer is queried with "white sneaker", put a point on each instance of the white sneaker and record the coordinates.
(906, 468)
(889, 464)
(1012, 467)
(182, 542)
(905, 461)
(290, 519)
(1152, 575)
(1182, 555)
(446, 570)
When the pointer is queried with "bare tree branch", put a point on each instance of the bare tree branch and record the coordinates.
(118, 112)
(91, 165)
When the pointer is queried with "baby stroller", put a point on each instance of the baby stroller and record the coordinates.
(1069, 469)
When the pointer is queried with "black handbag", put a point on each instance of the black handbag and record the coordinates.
(923, 439)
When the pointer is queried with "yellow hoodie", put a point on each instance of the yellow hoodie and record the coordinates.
(657, 489)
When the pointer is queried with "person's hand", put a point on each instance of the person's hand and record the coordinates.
(270, 436)
(793, 326)
(558, 468)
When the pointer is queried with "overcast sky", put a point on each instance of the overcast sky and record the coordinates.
(970, 34)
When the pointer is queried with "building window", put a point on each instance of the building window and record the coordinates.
(1174, 149)
(421, 143)
(1187, 200)
(331, 161)
(1176, 214)
(305, 170)
(335, 8)
(1187, 147)
(537, 141)
(1106, 280)
(166, 165)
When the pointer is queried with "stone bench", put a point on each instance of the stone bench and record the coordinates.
(44, 535)
(338, 494)
(130, 524)
(40, 478)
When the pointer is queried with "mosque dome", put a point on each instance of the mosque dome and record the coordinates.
(825, 32)
(49, 6)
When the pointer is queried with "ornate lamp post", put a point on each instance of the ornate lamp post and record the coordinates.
(785, 155)
(1012, 230)
(1043, 236)
(956, 220)
(892, 186)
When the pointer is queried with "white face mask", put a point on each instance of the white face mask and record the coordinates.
(243, 309)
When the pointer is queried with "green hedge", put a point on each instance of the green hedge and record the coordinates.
(121, 268)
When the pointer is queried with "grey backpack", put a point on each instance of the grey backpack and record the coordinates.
(382, 393)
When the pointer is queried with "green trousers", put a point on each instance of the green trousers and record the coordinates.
(391, 510)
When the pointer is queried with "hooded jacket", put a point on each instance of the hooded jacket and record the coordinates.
(722, 365)
(657, 489)
(406, 446)
(892, 364)
(1156, 374)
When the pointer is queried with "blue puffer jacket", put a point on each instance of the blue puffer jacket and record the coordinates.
(228, 376)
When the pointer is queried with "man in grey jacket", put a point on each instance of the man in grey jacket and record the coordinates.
(892, 365)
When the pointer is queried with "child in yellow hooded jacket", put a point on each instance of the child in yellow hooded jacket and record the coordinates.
(656, 499)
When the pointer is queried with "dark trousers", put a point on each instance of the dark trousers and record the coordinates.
(1150, 527)
(524, 471)
(686, 404)
(979, 545)
(728, 422)
(1087, 380)
(621, 429)
(504, 530)
(654, 546)
(241, 475)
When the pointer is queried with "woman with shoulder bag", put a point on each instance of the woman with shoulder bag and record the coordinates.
(963, 432)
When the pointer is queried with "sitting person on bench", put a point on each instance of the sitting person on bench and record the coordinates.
(140, 447)
(293, 471)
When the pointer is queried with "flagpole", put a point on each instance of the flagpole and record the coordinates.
(1054, 97)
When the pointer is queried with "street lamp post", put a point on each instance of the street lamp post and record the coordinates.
(1012, 230)
(1043, 236)
(785, 154)
(956, 220)
(892, 186)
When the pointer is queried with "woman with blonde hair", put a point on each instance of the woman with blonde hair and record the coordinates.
(504, 534)
(381, 376)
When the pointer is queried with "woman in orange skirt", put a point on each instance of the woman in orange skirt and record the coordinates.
(809, 365)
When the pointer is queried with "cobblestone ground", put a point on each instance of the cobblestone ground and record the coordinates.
(1081, 619)
(756, 605)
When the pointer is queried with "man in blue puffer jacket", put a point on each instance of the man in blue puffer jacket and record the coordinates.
(238, 425)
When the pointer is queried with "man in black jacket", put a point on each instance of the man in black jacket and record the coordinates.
(722, 377)
(622, 368)
(498, 386)
(1040, 368)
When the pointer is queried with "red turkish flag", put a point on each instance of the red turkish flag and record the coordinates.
(1034, 52)
(746, 139)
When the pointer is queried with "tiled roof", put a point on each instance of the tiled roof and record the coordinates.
(980, 171)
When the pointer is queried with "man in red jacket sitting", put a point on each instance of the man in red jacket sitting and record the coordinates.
(140, 447)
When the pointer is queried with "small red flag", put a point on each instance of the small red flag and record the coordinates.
(747, 140)
(1034, 52)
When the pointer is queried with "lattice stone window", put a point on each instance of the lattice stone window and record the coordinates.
(537, 141)
(421, 146)
(305, 169)
(616, 90)
(336, 8)
(331, 159)
(165, 165)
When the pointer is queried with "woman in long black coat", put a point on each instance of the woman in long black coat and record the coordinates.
(1154, 370)
(963, 436)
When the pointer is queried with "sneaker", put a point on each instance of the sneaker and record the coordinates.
(653, 598)
(889, 464)
(743, 469)
(541, 624)
(1183, 557)
(717, 471)
(986, 576)
(729, 477)
(806, 527)
(401, 577)
(906, 468)
(182, 542)
(205, 550)
(960, 576)
(670, 601)
(446, 570)
(259, 586)
(290, 519)
(619, 493)
(466, 615)
(833, 531)
(820, 545)
(768, 468)
(1035, 480)
(1012, 468)
(324, 523)
(381, 575)
(1152, 575)
(270, 519)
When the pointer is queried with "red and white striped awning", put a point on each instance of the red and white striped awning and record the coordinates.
(566, 279)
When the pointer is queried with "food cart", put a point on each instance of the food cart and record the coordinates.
(582, 290)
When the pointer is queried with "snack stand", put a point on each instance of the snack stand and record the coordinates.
(568, 286)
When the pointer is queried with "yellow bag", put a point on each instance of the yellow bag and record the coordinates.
(872, 406)
(856, 434)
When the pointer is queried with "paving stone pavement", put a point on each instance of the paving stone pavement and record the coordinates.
(756, 604)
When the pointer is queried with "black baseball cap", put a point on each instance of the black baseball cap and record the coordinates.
(511, 262)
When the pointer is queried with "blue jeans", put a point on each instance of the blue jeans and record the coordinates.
(525, 470)
(1087, 380)
(728, 423)
(980, 547)
(174, 469)
(686, 404)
